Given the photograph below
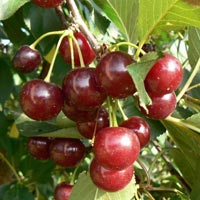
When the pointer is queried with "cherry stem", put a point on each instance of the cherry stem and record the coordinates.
(74, 175)
(189, 81)
(71, 51)
(121, 110)
(82, 26)
(2, 157)
(193, 87)
(148, 194)
(114, 111)
(139, 49)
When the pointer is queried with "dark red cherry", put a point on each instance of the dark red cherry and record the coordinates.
(47, 3)
(116, 147)
(79, 115)
(40, 100)
(88, 129)
(81, 90)
(62, 191)
(26, 59)
(139, 127)
(165, 76)
(110, 180)
(112, 74)
(161, 107)
(38, 147)
(88, 53)
(67, 152)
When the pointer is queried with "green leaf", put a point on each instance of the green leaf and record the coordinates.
(193, 122)
(9, 7)
(194, 49)
(138, 72)
(85, 189)
(165, 15)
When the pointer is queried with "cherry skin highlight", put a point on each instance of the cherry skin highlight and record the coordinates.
(139, 127)
(165, 76)
(116, 147)
(67, 152)
(110, 180)
(47, 3)
(26, 59)
(63, 191)
(112, 75)
(88, 53)
(40, 100)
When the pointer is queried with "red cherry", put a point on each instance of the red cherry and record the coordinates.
(165, 76)
(112, 74)
(161, 107)
(41, 100)
(63, 191)
(139, 127)
(116, 147)
(81, 90)
(67, 152)
(88, 53)
(38, 147)
(47, 3)
(110, 180)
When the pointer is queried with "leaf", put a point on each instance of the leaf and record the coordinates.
(138, 72)
(194, 49)
(84, 189)
(165, 15)
(9, 7)
(193, 122)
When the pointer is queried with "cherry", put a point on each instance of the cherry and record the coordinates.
(161, 107)
(26, 59)
(88, 53)
(81, 90)
(140, 127)
(79, 115)
(41, 100)
(165, 76)
(87, 129)
(38, 147)
(47, 3)
(110, 180)
(67, 152)
(62, 191)
(112, 74)
(116, 147)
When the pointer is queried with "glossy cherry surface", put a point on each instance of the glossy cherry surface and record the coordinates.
(26, 59)
(112, 74)
(81, 90)
(116, 147)
(67, 152)
(41, 100)
(38, 147)
(88, 129)
(47, 3)
(110, 180)
(162, 106)
(63, 191)
(88, 53)
(165, 76)
(139, 127)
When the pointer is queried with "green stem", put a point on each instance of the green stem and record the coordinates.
(36, 42)
(71, 51)
(114, 111)
(109, 111)
(193, 87)
(189, 81)
(121, 110)
(74, 175)
(139, 49)
(2, 157)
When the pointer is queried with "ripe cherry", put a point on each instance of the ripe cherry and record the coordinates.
(41, 100)
(81, 90)
(139, 127)
(165, 76)
(38, 147)
(62, 191)
(67, 152)
(116, 147)
(161, 107)
(26, 59)
(88, 129)
(110, 180)
(112, 74)
(47, 3)
(88, 53)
